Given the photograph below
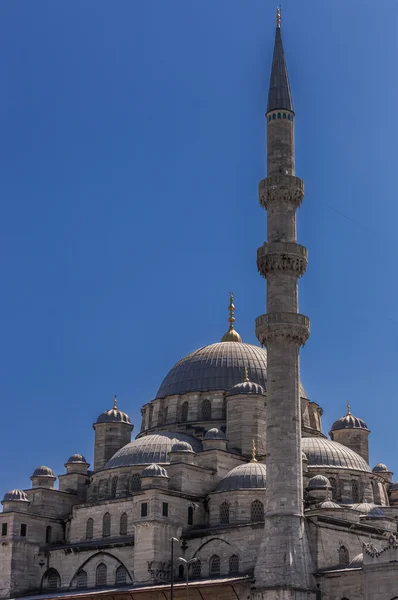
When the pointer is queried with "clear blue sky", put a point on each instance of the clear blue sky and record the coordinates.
(132, 142)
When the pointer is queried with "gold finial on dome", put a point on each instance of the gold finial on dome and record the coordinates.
(278, 16)
(231, 335)
(114, 402)
(254, 452)
(348, 409)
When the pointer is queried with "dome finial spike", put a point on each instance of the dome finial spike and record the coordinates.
(231, 335)
(254, 452)
(114, 402)
(348, 409)
(278, 16)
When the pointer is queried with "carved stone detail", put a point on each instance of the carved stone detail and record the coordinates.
(289, 327)
(281, 188)
(285, 257)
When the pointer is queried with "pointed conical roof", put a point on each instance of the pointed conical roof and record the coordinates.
(279, 95)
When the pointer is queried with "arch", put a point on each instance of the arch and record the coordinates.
(94, 493)
(279, 116)
(102, 488)
(114, 487)
(51, 580)
(288, 116)
(344, 557)
(81, 579)
(123, 524)
(274, 116)
(135, 483)
(224, 513)
(121, 574)
(257, 511)
(181, 572)
(101, 575)
(206, 410)
(190, 515)
(224, 409)
(184, 412)
(48, 534)
(233, 564)
(355, 490)
(106, 525)
(94, 558)
(214, 565)
(333, 485)
(89, 529)
(284, 115)
(196, 569)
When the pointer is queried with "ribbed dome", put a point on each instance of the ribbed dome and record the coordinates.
(76, 458)
(43, 472)
(381, 468)
(15, 496)
(318, 482)
(349, 422)
(329, 504)
(356, 562)
(325, 453)
(215, 434)
(154, 470)
(368, 509)
(150, 449)
(246, 387)
(217, 367)
(181, 447)
(113, 415)
(248, 476)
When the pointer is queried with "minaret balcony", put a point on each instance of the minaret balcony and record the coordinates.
(281, 189)
(283, 327)
(282, 257)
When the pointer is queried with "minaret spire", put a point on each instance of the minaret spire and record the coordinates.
(279, 95)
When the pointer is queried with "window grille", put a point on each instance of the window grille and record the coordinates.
(206, 410)
(53, 579)
(114, 486)
(215, 565)
(196, 569)
(135, 482)
(355, 490)
(89, 529)
(101, 575)
(106, 525)
(190, 515)
(121, 574)
(344, 557)
(257, 511)
(233, 564)
(333, 485)
(48, 534)
(82, 579)
(123, 524)
(184, 411)
(224, 513)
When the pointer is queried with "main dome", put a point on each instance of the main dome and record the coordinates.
(217, 367)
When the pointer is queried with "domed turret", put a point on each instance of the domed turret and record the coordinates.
(319, 488)
(384, 472)
(215, 434)
(112, 432)
(181, 446)
(214, 439)
(77, 464)
(154, 470)
(154, 476)
(351, 432)
(43, 477)
(76, 458)
(182, 451)
(15, 500)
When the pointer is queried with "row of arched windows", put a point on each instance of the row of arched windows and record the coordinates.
(214, 566)
(205, 413)
(280, 116)
(102, 492)
(106, 526)
(52, 580)
(256, 512)
(356, 490)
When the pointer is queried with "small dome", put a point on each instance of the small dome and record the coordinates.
(43, 472)
(15, 496)
(76, 458)
(356, 562)
(250, 475)
(329, 504)
(181, 446)
(326, 453)
(113, 415)
(318, 482)
(369, 509)
(214, 434)
(380, 468)
(349, 422)
(246, 387)
(154, 470)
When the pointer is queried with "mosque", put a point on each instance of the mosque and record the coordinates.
(231, 490)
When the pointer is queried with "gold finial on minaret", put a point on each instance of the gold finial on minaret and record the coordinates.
(246, 375)
(348, 409)
(114, 402)
(254, 451)
(278, 16)
(231, 335)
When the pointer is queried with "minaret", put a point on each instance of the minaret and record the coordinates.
(284, 568)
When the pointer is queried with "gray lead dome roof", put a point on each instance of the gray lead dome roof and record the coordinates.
(217, 367)
(325, 453)
(250, 475)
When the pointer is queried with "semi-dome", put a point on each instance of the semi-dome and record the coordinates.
(369, 509)
(381, 468)
(357, 562)
(217, 367)
(248, 476)
(349, 422)
(113, 415)
(43, 471)
(150, 449)
(15, 496)
(181, 446)
(76, 458)
(214, 434)
(325, 453)
(318, 482)
(154, 470)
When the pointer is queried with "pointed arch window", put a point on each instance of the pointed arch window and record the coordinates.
(101, 575)
(257, 511)
(355, 490)
(114, 487)
(279, 116)
(51, 580)
(181, 572)
(106, 525)
(344, 557)
(206, 410)
(89, 529)
(233, 564)
(184, 411)
(274, 116)
(215, 565)
(48, 534)
(81, 582)
(224, 513)
(135, 484)
(123, 524)
(121, 574)
(333, 485)
(196, 569)
(284, 115)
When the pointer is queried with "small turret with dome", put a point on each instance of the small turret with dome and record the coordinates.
(15, 500)
(351, 432)
(112, 432)
(43, 477)
(154, 475)
(214, 439)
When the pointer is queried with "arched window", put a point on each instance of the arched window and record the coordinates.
(279, 116)
(114, 486)
(51, 580)
(224, 513)
(181, 572)
(166, 414)
(274, 116)
(123, 524)
(89, 529)
(190, 515)
(196, 569)
(184, 411)
(106, 525)
(135, 484)
(344, 557)
(214, 565)
(288, 116)
(257, 511)
(121, 574)
(100, 575)
(81, 580)
(284, 115)
(224, 409)
(102, 488)
(355, 490)
(48, 534)
(233, 564)
(333, 485)
(94, 493)
(206, 410)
